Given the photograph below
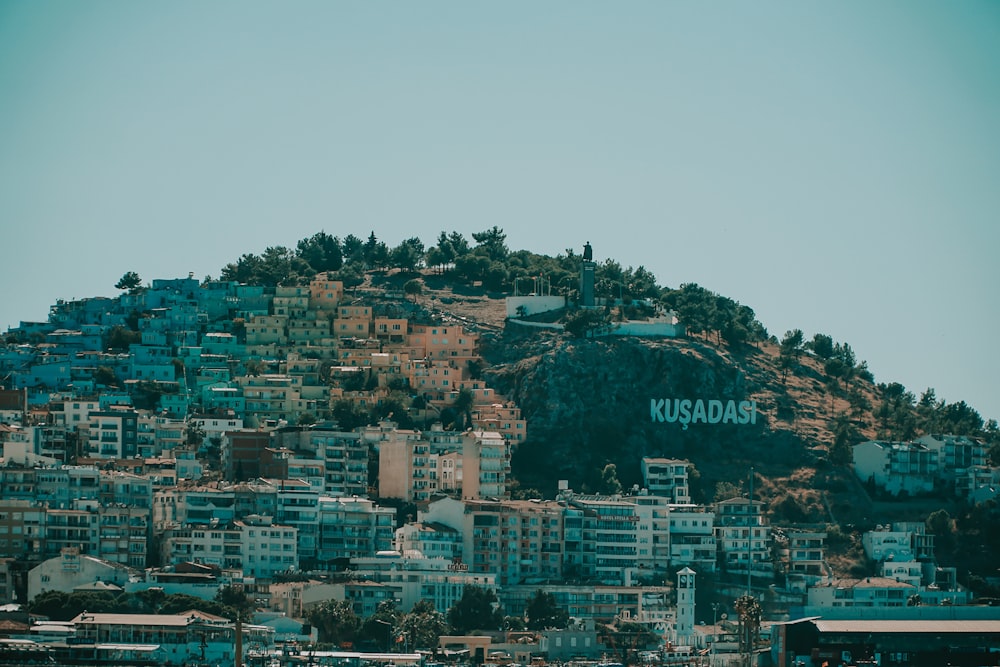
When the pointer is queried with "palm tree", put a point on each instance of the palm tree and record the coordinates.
(749, 610)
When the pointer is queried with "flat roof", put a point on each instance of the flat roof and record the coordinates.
(914, 626)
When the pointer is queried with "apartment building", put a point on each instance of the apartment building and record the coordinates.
(610, 537)
(242, 451)
(345, 456)
(670, 536)
(274, 396)
(254, 545)
(351, 527)
(897, 467)
(504, 418)
(743, 537)
(353, 321)
(201, 505)
(485, 465)
(429, 538)
(667, 478)
(407, 469)
(112, 434)
(902, 541)
(325, 295)
(123, 535)
(291, 301)
(807, 555)
(391, 329)
(440, 581)
(442, 342)
(266, 331)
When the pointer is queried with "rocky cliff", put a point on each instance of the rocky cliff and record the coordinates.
(590, 402)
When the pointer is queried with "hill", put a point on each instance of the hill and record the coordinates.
(786, 411)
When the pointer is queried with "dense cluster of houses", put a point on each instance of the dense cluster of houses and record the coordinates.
(222, 482)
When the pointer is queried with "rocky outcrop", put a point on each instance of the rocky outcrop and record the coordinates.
(588, 403)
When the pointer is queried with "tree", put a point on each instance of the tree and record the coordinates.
(423, 626)
(472, 267)
(493, 242)
(462, 408)
(408, 254)
(353, 249)
(236, 599)
(727, 490)
(586, 323)
(609, 480)
(789, 351)
(413, 288)
(247, 269)
(129, 281)
(105, 375)
(378, 628)
(749, 610)
(459, 244)
(194, 435)
(822, 346)
(336, 622)
(118, 338)
(543, 613)
(940, 524)
(321, 251)
(476, 610)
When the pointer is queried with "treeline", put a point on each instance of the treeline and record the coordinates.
(229, 602)
(487, 261)
(336, 621)
(896, 415)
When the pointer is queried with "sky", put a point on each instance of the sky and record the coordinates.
(833, 165)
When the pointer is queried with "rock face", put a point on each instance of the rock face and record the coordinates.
(588, 403)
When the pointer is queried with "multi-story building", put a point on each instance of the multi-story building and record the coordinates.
(807, 555)
(434, 341)
(21, 529)
(429, 538)
(485, 465)
(502, 417)
(897, 467)
(201, 505)
(904, 542)
(112, 434)
(292, 503)
(440, 581)
(610, 538)
(344, 453)
(351, 527)
(127, 490)
(692, 537)
(743, 538)
(325, 294)
(391, 329)
(354, 321)
(123, 534)
(667, 478)
(242, 451)
(407, 468)
(264, 332)
(274, 396)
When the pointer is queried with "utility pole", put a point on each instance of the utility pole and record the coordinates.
(750, 533)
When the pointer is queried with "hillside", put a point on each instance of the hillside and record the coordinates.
(786, 410)
(587, 404)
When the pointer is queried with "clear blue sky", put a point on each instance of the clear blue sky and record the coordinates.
(833, 165)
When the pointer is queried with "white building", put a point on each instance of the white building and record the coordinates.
(667, 478)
